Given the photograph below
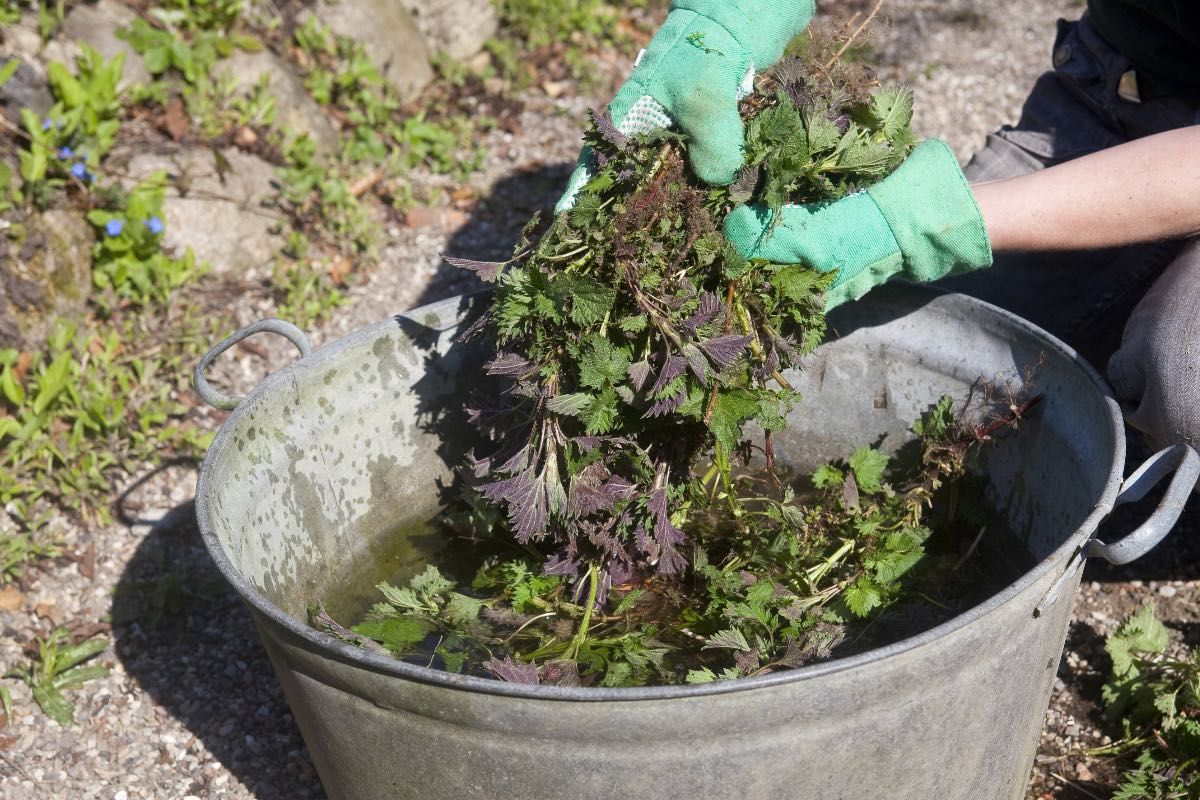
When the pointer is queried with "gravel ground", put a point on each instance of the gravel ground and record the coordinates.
(191, 709)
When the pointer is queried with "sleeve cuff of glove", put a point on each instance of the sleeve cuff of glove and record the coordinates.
(932, 212)
(762, 27)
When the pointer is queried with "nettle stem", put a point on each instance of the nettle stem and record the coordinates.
(593, 578)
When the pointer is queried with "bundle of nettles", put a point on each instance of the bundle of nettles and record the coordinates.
(621, 537)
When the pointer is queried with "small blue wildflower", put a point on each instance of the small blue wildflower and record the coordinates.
(64, 153)
(114, 227)
(79, 170)
(46, 123)
(155, 225)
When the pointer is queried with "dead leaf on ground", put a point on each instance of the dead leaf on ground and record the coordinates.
(11, 598)
(339, 270)
(175, 120)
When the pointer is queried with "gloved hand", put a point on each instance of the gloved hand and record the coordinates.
(921, 222)
(691, 74)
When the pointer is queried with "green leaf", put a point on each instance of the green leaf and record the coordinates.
(728, 639)
(463, 610)
(431, 582)
(868, 465)
(13, 391)
(602, 364)
(629, 601)
(937, 421)
(66, 88)
(827, 475)
(862, 596)
(398, 635)
(571, 405)
(53, 382)
(589, 300)
(8, 69)
(702, 675)
(1141, 634)
(54, 704)
(733, 407)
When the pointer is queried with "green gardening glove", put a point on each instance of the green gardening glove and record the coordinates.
(921, 223)
(694, 72)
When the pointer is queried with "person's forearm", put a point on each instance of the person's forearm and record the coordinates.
(1142, 191)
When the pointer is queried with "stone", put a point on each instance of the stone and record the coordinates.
(97, 25)
(294, 107)
(25, 89)
(45, 273)
(215, 205)
(457, 28)
(388, 35)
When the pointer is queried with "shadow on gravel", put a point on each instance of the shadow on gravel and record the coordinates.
(495, 225)
(183, 634)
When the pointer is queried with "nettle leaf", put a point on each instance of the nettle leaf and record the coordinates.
(868, 465)
(571, 405)
(431, 582)
(728, 639)
(602, 364)
(937, 421)
(463, 610)
(733, 407)
(485, 270)
(506, 669)
(724, 350)
(1140, 634)
(827, 475)
(399, 636)
(862, 596)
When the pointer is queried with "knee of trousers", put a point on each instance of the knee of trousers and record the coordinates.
(1156, 371)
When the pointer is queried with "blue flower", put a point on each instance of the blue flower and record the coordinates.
(155, 225)
(46, 123)
(64, 153)
(114, 227)
(79, 170)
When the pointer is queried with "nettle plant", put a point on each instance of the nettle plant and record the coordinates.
(641, 362)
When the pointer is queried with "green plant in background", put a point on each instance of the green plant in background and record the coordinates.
(80, 128)
(49, 14)
(1156, 697)
(128, 257)
(193, 36)
(319, 197)
(58, 667)
(90, 403)
(304, 292)
(18, 548)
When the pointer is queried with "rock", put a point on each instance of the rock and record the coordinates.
(1167, 591)
(294, 107)
(25, 89)
(388, 35)
(97, 26)
(45, 273)
(457, 28)
(214, 204)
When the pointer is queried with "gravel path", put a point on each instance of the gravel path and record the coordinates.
(191, 709)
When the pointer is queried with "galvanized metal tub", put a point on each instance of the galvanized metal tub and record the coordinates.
(351, 442)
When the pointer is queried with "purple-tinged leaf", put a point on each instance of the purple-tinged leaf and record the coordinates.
(666, 405)
(525, 495)
(671, 370)
(747, 663)
(607, 130)
(742, 189)
(513, 671)
(724, 350)
(639, 374)
(561, 672)
(620, 489)
(668, 537)
(562, 565)
(486, 270)
(587, 444)
(696, 363)
(518, 461)
(507, 616)
(710, 307)
(508, 365)
(587, 494)
(645, 544)
(475, 327)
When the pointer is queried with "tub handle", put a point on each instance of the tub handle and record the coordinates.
(227, 402)
(1179, 459)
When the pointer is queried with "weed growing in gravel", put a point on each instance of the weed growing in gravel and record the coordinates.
(90, 404)
(189, 37)
(25, 547)
(58, 667)
(1156, 697)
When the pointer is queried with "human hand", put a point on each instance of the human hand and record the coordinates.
(921, 222)
(693, 73)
